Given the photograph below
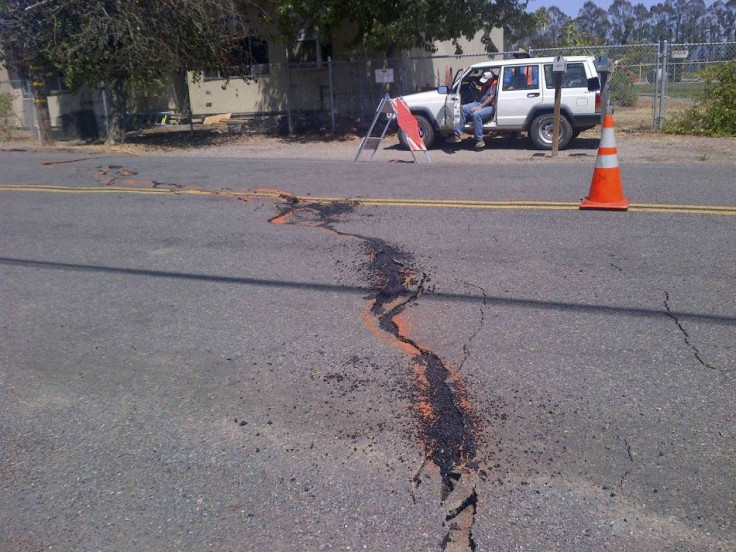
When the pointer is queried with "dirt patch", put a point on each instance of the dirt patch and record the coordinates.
(635, 139)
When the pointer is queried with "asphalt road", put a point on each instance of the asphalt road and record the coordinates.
(187, 364)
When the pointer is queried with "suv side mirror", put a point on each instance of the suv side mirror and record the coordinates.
(594, 84)
(443, 89)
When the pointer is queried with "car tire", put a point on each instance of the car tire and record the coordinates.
(541, 132)
(426, 131)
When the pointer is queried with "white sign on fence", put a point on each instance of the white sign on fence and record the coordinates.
(384, 76)
(679, 54)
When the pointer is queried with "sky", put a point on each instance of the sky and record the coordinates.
(572, 7)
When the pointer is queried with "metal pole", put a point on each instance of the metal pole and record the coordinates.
(104, 110)
(605, 96)
(332, 94)
(656, 87)
(663, 92)
(37, 4)
(34, 116)
(604, 67)
(359, 77)
(288, 94)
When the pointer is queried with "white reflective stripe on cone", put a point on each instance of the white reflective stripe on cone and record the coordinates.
(608, 139)
(606, 162)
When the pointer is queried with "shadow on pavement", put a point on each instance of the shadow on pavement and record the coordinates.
(362, 291)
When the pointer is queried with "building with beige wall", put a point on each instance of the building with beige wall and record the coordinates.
(310, 77)
(325, 78)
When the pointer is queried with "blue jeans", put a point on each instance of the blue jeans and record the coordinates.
(478, 116)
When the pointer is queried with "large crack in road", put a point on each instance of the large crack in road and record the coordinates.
(442, 404)
(445, 416)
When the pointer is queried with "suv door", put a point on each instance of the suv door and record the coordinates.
(518, 92)
(453, 104)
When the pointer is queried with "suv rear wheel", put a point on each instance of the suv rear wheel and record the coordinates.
(542, 129)
(425, 131)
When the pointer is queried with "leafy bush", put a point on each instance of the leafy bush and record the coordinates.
(7, 115)
(622, 90)
(714, 112)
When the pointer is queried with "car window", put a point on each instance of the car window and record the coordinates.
(574, 77)
(521, 77)
(469, 86)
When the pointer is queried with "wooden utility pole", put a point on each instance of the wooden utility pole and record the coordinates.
(559, 66)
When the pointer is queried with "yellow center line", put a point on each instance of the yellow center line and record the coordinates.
(376, 202)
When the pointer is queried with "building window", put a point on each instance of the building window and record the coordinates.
(309, 51)
(248, 58)
(56, 85)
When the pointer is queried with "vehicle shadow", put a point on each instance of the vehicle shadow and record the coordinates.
(509, 142)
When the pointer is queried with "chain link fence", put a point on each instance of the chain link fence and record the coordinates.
(664, 76)
(22, 115)
(343, 95)
(74, 114)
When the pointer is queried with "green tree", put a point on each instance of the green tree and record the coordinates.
(522, 30)
(641, 30)
(621, 17)
(692, 27)
(714, 113)
(592, 23)
(622, 89)
(391, 25)
(28, 45)
(117, 42)
(549, 28)
(571, 35)
(127, 42)
(7, 115)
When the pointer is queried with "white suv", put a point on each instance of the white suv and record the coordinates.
(525, 101)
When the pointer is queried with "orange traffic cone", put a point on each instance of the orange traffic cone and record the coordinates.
(605, 190)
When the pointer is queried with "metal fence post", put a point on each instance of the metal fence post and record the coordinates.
(663, 91)
(34, 119)
(288, 94)
(655, 100)
(332, 93)
(363, 91)
(103, 90)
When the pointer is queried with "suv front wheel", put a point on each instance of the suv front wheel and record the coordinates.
(542, 128)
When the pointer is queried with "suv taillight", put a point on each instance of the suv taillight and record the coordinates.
(598, 102)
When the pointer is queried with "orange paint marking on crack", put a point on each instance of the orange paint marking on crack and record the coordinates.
(371, 322)
(285, 218)
(424, 404)
(408, 277)
(448, 439)
(457, 382)
(402, 324)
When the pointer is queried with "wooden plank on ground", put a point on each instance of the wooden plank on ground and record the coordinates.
(212, 119)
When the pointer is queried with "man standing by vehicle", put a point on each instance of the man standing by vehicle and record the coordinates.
(479, 110)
